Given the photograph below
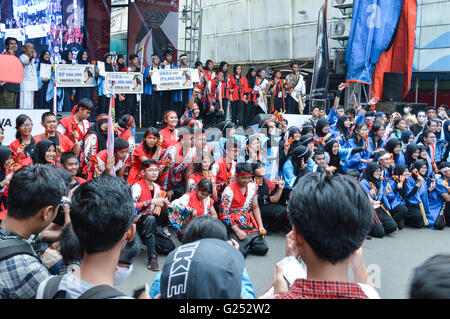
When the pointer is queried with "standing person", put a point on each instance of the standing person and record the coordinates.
(41, 98)
(249, 108)
(131, 103)
(167, 96)
(103, 98)
(184, 95)
(149, 148)
(29, 83)
(421, 120)
(84, 92)
(330, 218)
(238, 87)
(76, 125)
(9, 91)
(239, 211)
(209, 85)
(223, 67)
(34, 196)
(260, 89)
(295, 86)
(152, 97)
(277, 91)
(69, 93)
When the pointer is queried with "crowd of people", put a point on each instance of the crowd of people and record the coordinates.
(89, 213)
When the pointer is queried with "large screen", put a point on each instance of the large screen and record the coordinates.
(54, 25)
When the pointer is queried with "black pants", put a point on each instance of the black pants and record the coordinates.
(252, 244)
(103, 105)
(178, 108)
(167, 103)
(237, 113)
(382, 224)
(153, 108)
(414, 217)
(399, 214)
(291, 106)
(274, 217)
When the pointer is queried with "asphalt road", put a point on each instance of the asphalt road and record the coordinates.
(390, 261)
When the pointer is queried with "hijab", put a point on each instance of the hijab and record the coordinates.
(41, 149)
(102, 137)
(251, 79)
(418, 165)
(41, 59)
(5, 153)
(391, 145)
(80, 55)
(108, 66)
(405, 137)
(299, 153)
(345, 131)
(399, 169)
(65, 56)
(321, 123)
(368, 174)
(335, 160)
(410, 150)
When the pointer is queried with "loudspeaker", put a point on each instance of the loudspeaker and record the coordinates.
(340, 67)
(393, 87)
(261, 117)
(139, 136)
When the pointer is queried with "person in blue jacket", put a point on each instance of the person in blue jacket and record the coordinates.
(417, 196)
(396, 196)
(383, 223)
(394, 146)
(152, 98)
(438, 197)
(358, 160)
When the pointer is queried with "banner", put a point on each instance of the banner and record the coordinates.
(37, 31)
(8, 122)
(399, 57)
(153, 28)
(373, 24)
(124, 82)
(174, 79)
(321, 71)
(74, 75)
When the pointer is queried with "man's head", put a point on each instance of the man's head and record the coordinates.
(11, 44)
(428, 137)
(319, 157)
(244, 174)
(28, 48)
(421, 117)
(331, 217)
(204, 189)
(155, 59)
(294, 67)
(49, 121)
(186, 134)
(184, 59)
(121, 149)
(84, 109)
(168, 55)
(384, 159)
(34, 195)
(134, 59)
(150, 170)
(315, 111)
(69, 161)
(431, 280)
(208, 268)
(102, 214)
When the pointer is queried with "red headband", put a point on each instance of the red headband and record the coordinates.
(78, 107)
(149, 134)
(122, 149)
(130, 121)
(104, 117)
(243, 174)
(170, 113)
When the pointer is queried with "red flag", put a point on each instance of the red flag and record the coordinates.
(399, 57)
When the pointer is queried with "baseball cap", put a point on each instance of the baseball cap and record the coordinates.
(208, 268)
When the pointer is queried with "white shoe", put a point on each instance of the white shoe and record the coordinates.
(166, 231)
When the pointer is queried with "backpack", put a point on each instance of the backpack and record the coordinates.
(98, 292)
(13, 246)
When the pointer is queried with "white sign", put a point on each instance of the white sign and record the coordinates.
(37, 31)
(46, 71)
(19, 34)
(101, 68)
(174, 79)
(8, 122)
(296, 120)
(124, 82)
(77, 75)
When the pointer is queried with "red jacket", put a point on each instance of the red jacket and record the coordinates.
(238, 90)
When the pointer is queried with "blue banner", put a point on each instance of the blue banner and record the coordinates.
(373, 25)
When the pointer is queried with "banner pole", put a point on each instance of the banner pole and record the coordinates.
(110, 141)
(55, 98)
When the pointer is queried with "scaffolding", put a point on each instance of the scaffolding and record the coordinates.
(191, 16)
